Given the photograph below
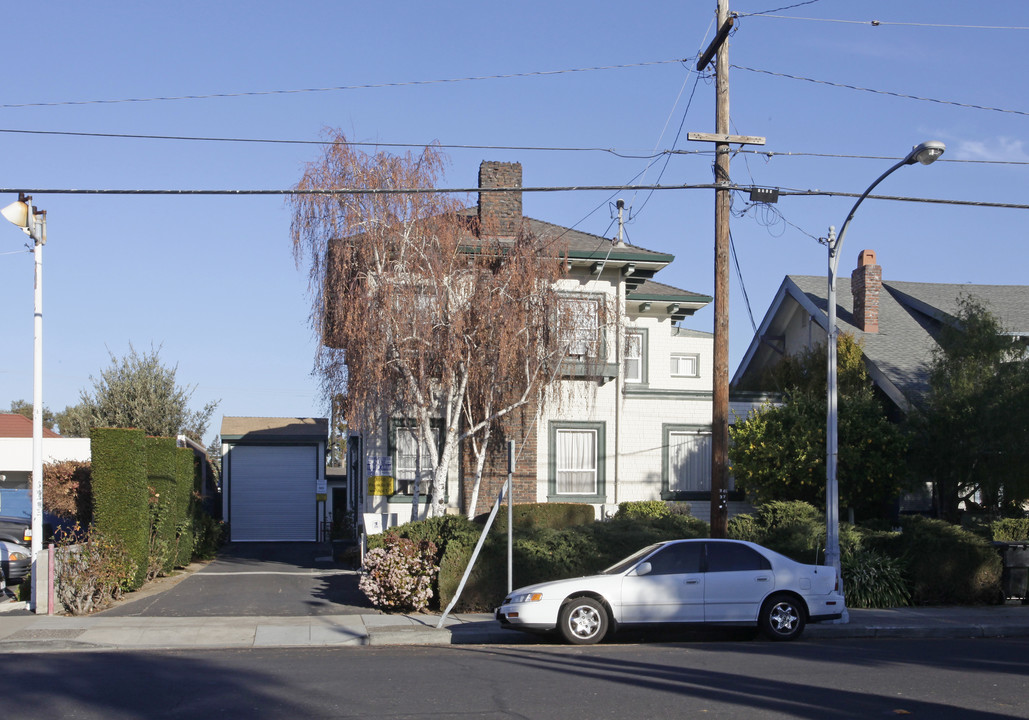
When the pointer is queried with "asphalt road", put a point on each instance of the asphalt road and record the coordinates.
(978, 679)
(256, 579)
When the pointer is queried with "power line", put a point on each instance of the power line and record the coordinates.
(878, 23)
(771, 153)
(779, 9)
(409, 83)
(881, 92)
(272, 141)
(466, 146)
(783, 192)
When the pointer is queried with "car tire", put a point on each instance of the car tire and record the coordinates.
(583, 621)
(782, 618)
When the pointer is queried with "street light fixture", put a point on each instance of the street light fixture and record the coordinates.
(33, 223)
(924, 153)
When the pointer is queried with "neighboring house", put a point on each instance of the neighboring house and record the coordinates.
(16, 459)
(273, 478)
(897, 324)
(634, 421)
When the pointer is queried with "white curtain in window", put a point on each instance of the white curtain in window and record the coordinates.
(410, 461)
(689, 459)
(633, 357)
(577, 462)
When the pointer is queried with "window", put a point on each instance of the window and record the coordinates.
(685, 365)
(689, 461)
(635, 341)
(733, 557)
(576, 454)
(580, 326)
(677, 559)
(412, 459)
(576, 461)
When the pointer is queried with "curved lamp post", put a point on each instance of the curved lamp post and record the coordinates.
(33, 223)
(924, 153)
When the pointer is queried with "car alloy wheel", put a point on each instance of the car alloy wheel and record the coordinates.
(782, 618)
(583, 621)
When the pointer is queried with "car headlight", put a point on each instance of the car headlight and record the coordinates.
(17, 556)
(526, 597)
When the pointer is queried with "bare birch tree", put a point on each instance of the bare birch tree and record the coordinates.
(421, 312)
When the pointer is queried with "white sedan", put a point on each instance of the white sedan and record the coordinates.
(719, 582)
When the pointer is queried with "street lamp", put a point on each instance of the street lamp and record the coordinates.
(924, 153)
(33, 223)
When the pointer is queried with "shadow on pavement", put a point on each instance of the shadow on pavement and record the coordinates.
(257, 579)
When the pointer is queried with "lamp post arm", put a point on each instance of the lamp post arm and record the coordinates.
(835, 246)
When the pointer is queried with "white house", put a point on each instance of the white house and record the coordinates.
(633, 420)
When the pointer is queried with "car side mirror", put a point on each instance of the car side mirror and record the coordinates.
(644, 568)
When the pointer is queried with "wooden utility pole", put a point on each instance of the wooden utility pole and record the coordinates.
(722, 140)
(720, 409)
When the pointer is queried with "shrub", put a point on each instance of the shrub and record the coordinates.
(67, 490)
(946, 564)
(208, 535)
(874, 580)
(642, 509)
(91, 570)
(398, 576)
(1010, 530)
(548, 515)
(121, 511)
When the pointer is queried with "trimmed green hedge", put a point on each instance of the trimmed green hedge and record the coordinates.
(120, 496)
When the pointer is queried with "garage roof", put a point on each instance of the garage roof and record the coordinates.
(266, 429)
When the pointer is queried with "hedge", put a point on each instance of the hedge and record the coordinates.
(120, 496)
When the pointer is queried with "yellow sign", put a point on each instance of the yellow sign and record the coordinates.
(380, 485)
(321, 497)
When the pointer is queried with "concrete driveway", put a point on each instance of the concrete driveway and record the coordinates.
(254, 580)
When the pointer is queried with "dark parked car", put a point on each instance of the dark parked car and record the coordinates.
(15, 560)
(15, 529)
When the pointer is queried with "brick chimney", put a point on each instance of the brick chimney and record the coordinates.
(500, 212)
(866, 284)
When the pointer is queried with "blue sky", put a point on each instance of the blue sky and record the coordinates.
(211, 280)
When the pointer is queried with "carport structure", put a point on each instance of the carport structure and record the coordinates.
(273, 477)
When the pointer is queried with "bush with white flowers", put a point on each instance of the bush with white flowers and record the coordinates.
(398, 576)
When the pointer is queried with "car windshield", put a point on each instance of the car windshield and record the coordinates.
(623, 565)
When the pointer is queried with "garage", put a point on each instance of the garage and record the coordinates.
(273, 477)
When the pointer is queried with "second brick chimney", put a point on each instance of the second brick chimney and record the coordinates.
(500, 212)
(866, 283)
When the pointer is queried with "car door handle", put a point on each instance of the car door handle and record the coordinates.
(692, 581)
(762, 578)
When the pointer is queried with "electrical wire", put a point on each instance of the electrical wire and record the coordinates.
(878, 23)
(743, 285)
(465, 146)
(787, 7)
(190, 138)
(409, 83)
(880, 92)
(783, 192)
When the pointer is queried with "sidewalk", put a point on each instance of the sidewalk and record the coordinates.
(22, 632)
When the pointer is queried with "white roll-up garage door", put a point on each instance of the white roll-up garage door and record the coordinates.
(272, 493)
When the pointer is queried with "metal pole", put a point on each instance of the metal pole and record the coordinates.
(510, 516)
(37, 233)
(924, 153)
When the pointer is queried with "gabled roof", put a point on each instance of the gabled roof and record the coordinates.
(910, 318)
(274, 429)
(13, 425)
